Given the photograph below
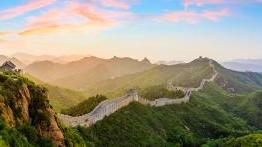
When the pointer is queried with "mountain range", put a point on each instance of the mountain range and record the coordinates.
(29, 58)
(24, 59)
(225, 113)
(82, 73)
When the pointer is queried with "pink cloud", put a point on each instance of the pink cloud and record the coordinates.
(90, 12)
(29, 6)
(74, 15)
(195, 17)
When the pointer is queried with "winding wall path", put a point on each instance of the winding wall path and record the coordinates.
(108, 107)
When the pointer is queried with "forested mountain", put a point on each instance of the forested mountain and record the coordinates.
(225, 113)
(213, 116)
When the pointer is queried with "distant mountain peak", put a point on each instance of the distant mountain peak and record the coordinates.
(201, 59)
(145, 60)
(90, 57)
(126, 59)
(115, 57)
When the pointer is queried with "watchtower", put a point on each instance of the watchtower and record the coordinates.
(8, 66)
(133, 93)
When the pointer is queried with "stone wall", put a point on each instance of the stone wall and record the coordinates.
(104, 109)
(108, 107)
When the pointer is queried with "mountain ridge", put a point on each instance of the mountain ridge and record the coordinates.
(67, 74)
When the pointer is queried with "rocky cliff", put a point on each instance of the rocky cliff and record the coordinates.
(24, 103)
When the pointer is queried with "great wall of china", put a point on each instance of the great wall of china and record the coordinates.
(108, 107)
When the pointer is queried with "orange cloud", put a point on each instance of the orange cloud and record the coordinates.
(90, 13)
(29, 6)
(39, 31)
(4, 33)
(73, 16)
(195, 17)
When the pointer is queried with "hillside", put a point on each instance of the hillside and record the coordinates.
(239, 82)
(85, 106)
(60, 98)
(243, 141)
(214, 116)
(211, 114)
(85, 72)
(186, 75)
(27, 119)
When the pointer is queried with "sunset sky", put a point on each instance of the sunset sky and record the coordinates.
(158, 29)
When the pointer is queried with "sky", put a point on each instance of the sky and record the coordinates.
(157, 29)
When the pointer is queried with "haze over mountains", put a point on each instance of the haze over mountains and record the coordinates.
(24, 59)
(169, 62)
(89, 70)
(28, 58)
(254, 65)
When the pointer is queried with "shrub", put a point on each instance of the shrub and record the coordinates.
(85, 106)
(29, 132)
(155, 92)
(73, 138)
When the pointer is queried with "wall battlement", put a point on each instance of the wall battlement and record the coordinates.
(104, 109)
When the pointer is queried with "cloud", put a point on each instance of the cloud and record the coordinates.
(204, 2)
(27, 7)
(73, 15)
(4, 33)
(194, 17)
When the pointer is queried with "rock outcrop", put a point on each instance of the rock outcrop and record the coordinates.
(23, 103)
